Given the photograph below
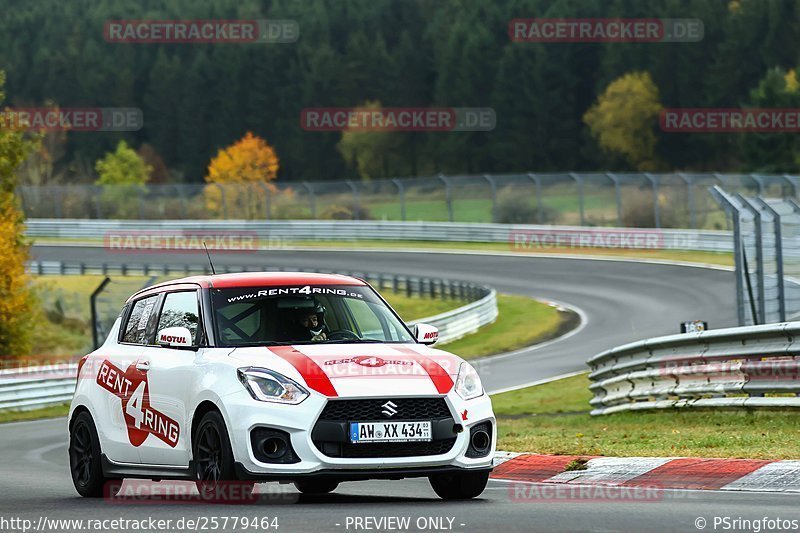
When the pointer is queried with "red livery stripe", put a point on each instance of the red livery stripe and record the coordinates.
(439, 376)
(312, 373)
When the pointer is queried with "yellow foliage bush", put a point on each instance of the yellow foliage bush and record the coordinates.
(241, 175)
(624, 117)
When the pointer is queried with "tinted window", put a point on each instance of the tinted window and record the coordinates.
(136, 328)
(180, 310)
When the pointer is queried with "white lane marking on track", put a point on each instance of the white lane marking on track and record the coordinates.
(584, 321)
(538, 382)
(31, 422)
(37, 455)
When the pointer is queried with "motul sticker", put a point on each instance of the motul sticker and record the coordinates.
(173, 338)
(132, 388)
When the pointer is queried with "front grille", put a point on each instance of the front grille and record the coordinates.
(331, 435)
(396, 449)
(366, 410)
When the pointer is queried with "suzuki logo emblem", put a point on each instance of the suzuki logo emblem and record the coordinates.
(389, 409)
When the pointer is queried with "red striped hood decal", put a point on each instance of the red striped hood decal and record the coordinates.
(439, 376)
(312, 368)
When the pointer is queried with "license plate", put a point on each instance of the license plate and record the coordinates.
(390, 431)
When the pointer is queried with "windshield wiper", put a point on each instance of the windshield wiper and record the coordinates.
(262, 343)
(353, 341)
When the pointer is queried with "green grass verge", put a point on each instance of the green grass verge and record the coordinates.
(416, 307)
(522, 321)
(35, 414)
(553, 418)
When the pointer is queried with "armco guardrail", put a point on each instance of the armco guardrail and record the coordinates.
(464, 320)
(755, 366)
(37, 386)
(274, 234)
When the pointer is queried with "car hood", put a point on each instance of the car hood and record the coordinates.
(353, 370)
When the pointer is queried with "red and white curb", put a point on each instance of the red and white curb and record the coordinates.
(663, 472)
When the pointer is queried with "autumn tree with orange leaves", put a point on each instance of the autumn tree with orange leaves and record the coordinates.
(240, 178)
(17, 311)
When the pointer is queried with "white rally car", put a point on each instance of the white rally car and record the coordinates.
(304, 378)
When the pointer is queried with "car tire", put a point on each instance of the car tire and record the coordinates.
(85, 463)
(459, 485)
(316, 486)
(213, 460)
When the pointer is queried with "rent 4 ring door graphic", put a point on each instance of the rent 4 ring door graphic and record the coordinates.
(162, 414)
(118, 374)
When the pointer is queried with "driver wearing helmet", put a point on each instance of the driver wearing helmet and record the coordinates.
(310, 324)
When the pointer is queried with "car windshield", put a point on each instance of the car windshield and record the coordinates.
(304, 314)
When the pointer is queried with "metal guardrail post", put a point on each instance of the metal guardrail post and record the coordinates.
(792, 184)
(354, 189)
(140, 201)
(733, 212)
(96, 192)
(762, 306)
(689, 199)
(267, 199)
(537, 182)
(656, 208)
(401, 192)
(223, 200)
(312, 200)
(776, 221)
(618, 196)
(759, 182)
(579, 182)
(448, 195)
(182, 198)
(93, 305)
(493, 187)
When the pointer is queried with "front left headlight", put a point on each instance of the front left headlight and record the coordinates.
(468, 383)
(268, 386)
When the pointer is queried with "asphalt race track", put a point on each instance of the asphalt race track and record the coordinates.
(621, 302)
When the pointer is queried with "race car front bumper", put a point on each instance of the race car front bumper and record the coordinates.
(318, 445)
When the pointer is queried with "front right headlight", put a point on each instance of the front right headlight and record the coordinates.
(468, 383)
(268, 386)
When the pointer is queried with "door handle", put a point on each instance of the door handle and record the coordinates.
(144, 366)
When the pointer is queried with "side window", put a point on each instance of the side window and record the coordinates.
(180, 310)
(136, 328)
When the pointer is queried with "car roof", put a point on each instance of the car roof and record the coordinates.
(250, 279)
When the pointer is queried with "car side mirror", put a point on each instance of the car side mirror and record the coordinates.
(175, 337)
(426, 334)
